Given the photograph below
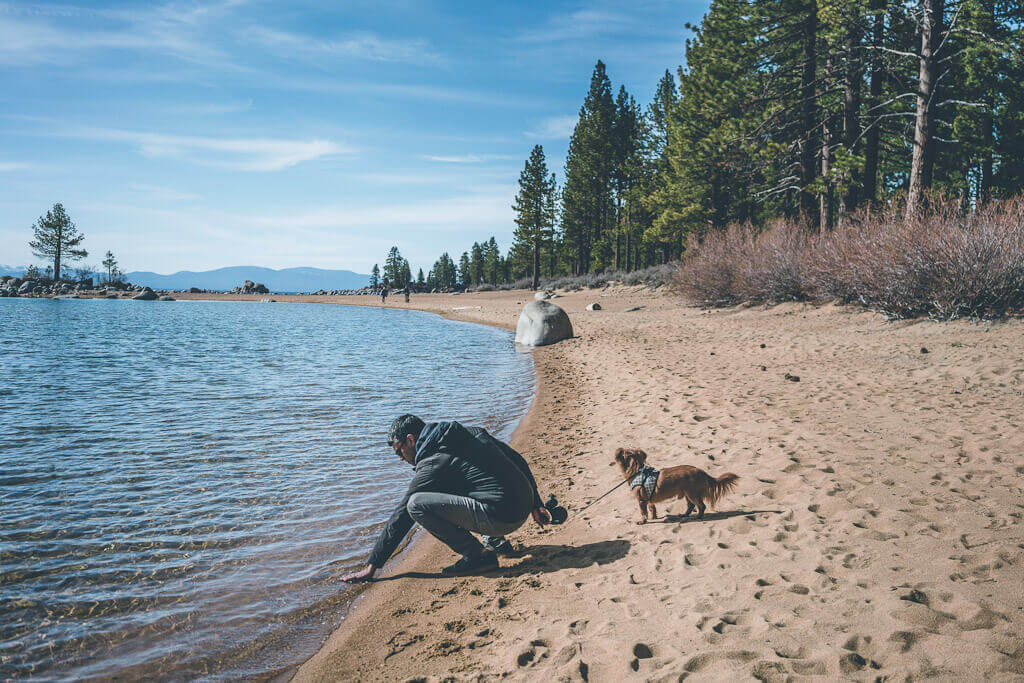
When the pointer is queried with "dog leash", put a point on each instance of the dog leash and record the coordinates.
(582, 510)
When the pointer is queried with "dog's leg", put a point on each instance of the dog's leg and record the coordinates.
(654, 511)
(643, 512)
(700, 510)
(689, 509)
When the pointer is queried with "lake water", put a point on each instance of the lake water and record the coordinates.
(182, 484)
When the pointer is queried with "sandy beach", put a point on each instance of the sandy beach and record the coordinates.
(875, 532)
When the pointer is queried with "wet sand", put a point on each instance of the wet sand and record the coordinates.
(876, 530)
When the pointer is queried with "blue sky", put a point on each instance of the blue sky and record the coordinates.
(193, 135)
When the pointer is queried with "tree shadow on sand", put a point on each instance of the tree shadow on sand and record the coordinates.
(709, 516)
(540, 559)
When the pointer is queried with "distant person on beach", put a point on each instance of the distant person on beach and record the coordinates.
(384, 292)
(406, 292)
(465, 481)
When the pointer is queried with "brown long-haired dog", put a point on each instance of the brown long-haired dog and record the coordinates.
(698, 487)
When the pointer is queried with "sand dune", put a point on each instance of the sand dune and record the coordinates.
(875, 532)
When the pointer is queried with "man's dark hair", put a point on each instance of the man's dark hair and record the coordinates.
(403, 425)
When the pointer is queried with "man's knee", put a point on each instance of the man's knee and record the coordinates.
(418, 505)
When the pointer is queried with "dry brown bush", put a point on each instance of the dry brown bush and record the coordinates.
(944, 263)
(741, 264)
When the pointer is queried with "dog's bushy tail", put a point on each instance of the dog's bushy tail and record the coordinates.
(719, 487)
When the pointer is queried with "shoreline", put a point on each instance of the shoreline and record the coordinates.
(876, 529)
(415, 552)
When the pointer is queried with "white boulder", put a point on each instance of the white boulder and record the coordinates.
(542, 323)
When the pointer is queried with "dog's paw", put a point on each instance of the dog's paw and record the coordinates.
(642, 521)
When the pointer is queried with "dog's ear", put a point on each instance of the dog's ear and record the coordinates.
(641, 457)
(618, 455)
(631, 464)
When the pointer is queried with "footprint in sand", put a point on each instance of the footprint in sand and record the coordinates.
(536, 652)
(926, 618)
(809, 667)
(640, 652)
(578, 627)
(853, 662)
(905, 639)
(770, 672)
(720, 662)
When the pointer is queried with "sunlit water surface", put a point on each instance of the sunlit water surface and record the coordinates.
(182, 484)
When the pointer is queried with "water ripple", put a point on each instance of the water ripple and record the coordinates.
(181, 485)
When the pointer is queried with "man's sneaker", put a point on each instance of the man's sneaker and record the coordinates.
(476, 564)
(499, 545)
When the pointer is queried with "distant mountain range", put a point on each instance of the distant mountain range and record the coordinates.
(285, 280)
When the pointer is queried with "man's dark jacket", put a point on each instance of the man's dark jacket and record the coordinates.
(463, 461)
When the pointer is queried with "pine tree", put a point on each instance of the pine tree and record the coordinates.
(476, 264)
(587, 205)
(55, 236)
(420, 280)
(550, 242)
(406, 274)
(375, 277)
(393, 267)
(627, 169)
(492, 261)
(449, 277)
(534, 206)
(872, 115)
(110, 264)
(654, 196)
(465, 275)
(709, 130)
(923, 161)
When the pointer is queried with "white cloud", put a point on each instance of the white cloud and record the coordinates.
(243, 154)
(463, 159)
(362, 45)
(410, 91)
(579, 24)
(34, 35)
(554, 127)
(7, 166)
(468, 158)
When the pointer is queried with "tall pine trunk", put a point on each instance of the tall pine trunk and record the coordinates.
(536, 258)
(851, 108)
(871, 143)
(618, 221)
(988, 140)
(825, 198)
(923, 159)
(629, 254)
(807, 95)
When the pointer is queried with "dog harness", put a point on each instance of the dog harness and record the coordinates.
(646, 479)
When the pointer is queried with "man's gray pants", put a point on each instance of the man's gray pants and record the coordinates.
(451, 519)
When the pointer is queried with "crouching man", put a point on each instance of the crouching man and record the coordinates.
(465, 482)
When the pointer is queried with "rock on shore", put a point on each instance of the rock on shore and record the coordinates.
(11, 286)
(542, 323)
(250, 287)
